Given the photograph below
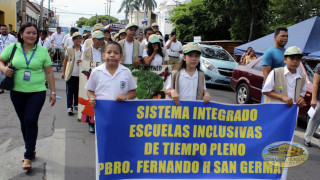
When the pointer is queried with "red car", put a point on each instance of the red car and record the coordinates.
(247, 82)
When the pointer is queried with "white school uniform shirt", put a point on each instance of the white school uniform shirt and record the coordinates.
(96, 54)
(57, 39)
(68, 42)
(188, 86)
(291, 83)
(46, 43)
(174, 48)
(65, 38)
(75, 71)
(129, 52)
(157, 58)
(6, 40)
(106, 86)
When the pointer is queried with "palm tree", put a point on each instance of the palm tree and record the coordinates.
(129, 6)
(148, 5)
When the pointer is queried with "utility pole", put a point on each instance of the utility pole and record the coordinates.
(109, 10)
(23, 10)
(41, 15)
(49, 19)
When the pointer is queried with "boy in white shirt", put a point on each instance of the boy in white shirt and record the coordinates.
(286, 84)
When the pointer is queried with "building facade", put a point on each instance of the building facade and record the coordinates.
(8, 14)
(32, 13)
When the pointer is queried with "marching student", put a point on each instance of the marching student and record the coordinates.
(89, 41)
(147, 33)
(188, 83)
(111, 80)
(286, 84)
(132, 50)
(44, 41)
(121, 35)
(70, 72)
(174, 49)
(94, 53)
(154, 54)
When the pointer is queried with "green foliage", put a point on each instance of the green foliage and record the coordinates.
(196, 19)
(289, 12)
(148, 82)
(244, 20)
(92, 21)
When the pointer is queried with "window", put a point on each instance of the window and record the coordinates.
(215, 53)
(258, 66)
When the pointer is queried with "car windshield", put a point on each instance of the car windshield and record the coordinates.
(309, 65)
(214, 53)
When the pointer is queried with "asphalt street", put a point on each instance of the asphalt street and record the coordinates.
(66, 150)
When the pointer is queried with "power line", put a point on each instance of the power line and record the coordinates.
(65, 12)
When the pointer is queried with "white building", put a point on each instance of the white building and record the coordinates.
(163, 15)
(32, 13)
(137, 17)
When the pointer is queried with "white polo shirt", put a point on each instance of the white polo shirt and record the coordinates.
(291, 83)
(65, 38)
(106, 86)
(174, 49)
(5, 41)
(188, 86)
(96, 54)
(57, 39)
(157, 58)
(129, 52)
(68, 42)
(75, 71)
(46, 43)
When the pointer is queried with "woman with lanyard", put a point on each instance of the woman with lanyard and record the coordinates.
(94, 53)
(29, 91)
(70, 72)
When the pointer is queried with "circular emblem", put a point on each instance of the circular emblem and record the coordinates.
(285, 154)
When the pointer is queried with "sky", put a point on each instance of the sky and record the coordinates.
(83, 7)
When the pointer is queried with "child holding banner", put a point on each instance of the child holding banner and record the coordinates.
(286, 84)
(188, 82)
(111, 80)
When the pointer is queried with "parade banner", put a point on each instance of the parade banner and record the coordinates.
(155, 139)
(150, 80)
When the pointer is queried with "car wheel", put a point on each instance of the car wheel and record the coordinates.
(243, 94)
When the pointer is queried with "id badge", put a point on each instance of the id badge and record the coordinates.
(26, 76)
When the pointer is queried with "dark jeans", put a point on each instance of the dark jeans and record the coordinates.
(72, 91)
(28, 107)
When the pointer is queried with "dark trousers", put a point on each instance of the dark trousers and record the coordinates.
(72, 91)
(28, 107)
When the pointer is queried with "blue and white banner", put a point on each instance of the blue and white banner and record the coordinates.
(158, 140)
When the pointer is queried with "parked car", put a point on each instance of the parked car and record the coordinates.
(247, 82)
(217, 64)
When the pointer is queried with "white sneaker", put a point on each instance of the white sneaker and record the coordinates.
(70, 112)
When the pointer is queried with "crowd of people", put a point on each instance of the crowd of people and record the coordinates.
(112, 80)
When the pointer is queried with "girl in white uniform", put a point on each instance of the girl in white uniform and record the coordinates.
(188, 82)
(111, 80)
(153, 54)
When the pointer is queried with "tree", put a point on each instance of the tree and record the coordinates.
(82, 21)
(196, 19)
(93, 20)
(129, 6)
(148, 5)
(289, 12)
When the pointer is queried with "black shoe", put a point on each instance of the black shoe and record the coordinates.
(76, 108)
(308, 144)
(91, 128)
